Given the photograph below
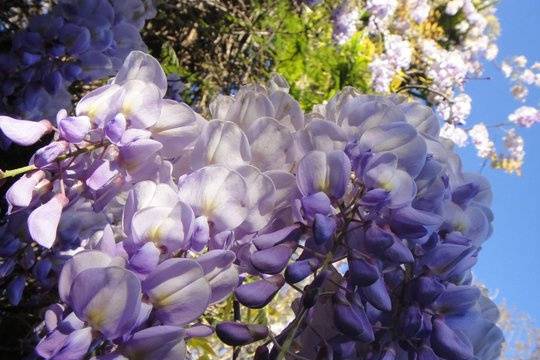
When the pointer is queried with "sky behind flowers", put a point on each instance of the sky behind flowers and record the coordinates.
(510, 261)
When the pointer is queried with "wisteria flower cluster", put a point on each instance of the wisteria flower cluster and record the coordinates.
(143, 215)
(76, 40)
(431, 48)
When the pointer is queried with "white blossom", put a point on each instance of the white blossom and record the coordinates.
(515, 145)
(480, 137)
(525, 116)
(419, 10)
(454, 133)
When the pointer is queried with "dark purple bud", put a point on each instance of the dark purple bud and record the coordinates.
(411, 216)
(325, 352)
(343, 348)
(463, 194)
(376, 198)
(399, 252)
(377, 295)
(221, 241)
(456, 299)
(53, 81)
(28, 258)
(301, 269)
(450, 344)
(408, 231)
(310, 296)
(446, 257)
(426, 289)
(323, 228)
(321, 278)
(42, 269)
(258, 294)
(239, 334)
(262, 353)
(15, 290)
(71, 71)
(318, 203)
(378, 240)
(289, 233)
(351, 319)
(7, 267)
(394, 278)
(30, 59)
(362, 272)
(411, 321)
(49, 153)
(75, 38)
(426, 353)
(427, 325)
(272, 260)
(57, 50)
(9, 246)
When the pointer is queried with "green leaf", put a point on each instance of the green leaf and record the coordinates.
(203, 345)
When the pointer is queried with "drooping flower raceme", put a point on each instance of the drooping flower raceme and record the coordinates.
(345, 20)
(75, 40)
(155, 214)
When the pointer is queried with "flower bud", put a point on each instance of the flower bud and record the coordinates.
(351, 319)
(323, 228)
(72, 128)
(239, 334)
(49, 153)
(272, 260)
(300, 270)
(258, 294)
(362, 272)
(448, 343)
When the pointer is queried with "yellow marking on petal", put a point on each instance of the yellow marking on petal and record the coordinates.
(127, 107)
(208, 207)
(324, 184)
(386, 185)
(461, 227)
(154, 235)
(96, 318)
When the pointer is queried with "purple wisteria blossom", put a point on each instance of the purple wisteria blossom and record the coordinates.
(144, 216)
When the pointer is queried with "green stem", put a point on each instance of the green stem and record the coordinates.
(290, 337)
(329, 259)
(15, 172)
(23, 170)
(424, 87)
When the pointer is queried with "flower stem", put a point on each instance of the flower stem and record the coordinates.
(4, 174)
(18, 171)
(290, 337)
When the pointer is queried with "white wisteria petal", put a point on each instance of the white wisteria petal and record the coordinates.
(271, 143)
(217, 192)
(221, 142)
(261, 198)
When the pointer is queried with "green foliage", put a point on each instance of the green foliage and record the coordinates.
(225, 45)
(203, 347)
(169, 60)
(307, 57)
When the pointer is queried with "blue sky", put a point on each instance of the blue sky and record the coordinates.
(510, 259)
